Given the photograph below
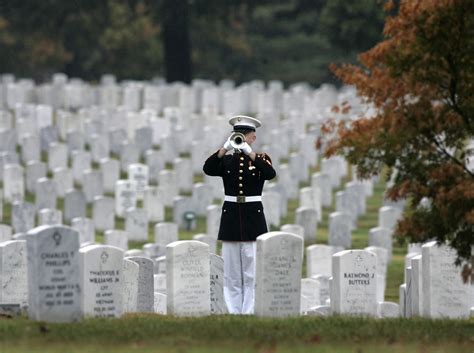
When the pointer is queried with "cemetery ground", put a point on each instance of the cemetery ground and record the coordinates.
(155, 333)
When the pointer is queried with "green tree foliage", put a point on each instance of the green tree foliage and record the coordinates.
(291, 40)
(82, 38)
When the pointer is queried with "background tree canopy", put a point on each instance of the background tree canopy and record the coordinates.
(291, 40)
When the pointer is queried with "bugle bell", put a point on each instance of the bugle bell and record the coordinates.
(237, 140)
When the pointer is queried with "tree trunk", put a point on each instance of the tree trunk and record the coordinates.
(176, 43)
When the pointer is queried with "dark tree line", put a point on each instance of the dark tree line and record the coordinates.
(290, 40)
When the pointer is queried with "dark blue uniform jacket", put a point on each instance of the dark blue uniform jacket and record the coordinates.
(241, 177)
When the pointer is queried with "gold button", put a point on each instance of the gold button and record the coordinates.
(240, 178)
(241, 171)
(241, 158)
(240, 185)
(241, 192)
(241, 164)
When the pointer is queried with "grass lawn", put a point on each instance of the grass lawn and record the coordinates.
(154, 333)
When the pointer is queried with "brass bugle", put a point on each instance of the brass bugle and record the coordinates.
(237, 140)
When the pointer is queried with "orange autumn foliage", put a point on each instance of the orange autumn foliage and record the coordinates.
(420, 79)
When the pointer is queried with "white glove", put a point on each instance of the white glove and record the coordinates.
(227, 146)
(246, 148)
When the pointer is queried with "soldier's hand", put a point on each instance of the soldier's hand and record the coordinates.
(227, 146)
(246, 148)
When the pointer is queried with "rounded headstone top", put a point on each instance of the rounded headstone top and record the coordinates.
(275, 234)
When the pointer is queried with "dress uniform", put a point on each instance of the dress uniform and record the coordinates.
(242, 218)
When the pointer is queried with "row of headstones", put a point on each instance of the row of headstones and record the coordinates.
(56, 280)
(105, 209)
(64, 283)
(341, 223)
(103, 145)
(18, 179)
(127, 194)
(89, 124)
(75, 201)
(319, 268)
(81, 171)
(312, 198)
(199, 96)
(318, 256)
(95, 183)
(107, 285)
(131, 135)
(433, 285)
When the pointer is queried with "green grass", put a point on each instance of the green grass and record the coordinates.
(154, 333)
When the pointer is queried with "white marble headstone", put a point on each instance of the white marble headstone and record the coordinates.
(103, 213)
(130, 286)
(117, 238)
(211, 241)
(354, 284)
(110, 169)
(293, 228)
(388, 309)
(145, 298)
(308, 219)
(271, 205)
(213, 220)
(102, 280)
(136, 224)
(74, 204)
(13, 272)
(340, 230)
(13, 183)
(166, 233)
(159, 306)
(53, 274)
(92, 184)
(381, 237)
(444, 293)
(188, 278)
(23, 217)
(278, 274)
(45, 194)
(139, 173)
(319, 259)
(416, 286)
(218, 305)
(86, 229)
(125, 196)
(310, 294)
(153, 203)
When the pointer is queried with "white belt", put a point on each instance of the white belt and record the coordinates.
(242, 199)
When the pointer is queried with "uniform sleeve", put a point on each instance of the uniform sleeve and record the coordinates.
(214, 165)
(263, 163)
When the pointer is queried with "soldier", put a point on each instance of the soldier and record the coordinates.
(242, 220)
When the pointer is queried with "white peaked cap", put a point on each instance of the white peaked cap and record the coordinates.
(246, 122)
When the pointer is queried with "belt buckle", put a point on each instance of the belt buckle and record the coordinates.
(240, 199)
